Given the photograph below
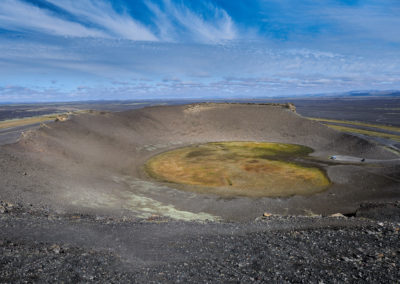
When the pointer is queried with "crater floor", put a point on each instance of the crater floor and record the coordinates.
(253, 169)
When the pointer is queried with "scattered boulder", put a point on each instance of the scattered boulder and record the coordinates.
(6, 207)
(291, 107)
(55, 248)
(61, 117)
(337, 215)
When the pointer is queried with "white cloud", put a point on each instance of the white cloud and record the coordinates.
(17, 15)
(219, 27)
(174, 21)
(308, 53)
(102, 14)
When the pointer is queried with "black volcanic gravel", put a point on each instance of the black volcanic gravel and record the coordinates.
(274, 249)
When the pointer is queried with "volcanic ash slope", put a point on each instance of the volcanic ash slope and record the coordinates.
(92, 163)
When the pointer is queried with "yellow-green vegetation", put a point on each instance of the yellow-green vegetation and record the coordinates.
(365, 132)
(35, 119)
(239, 168)
(377, 126)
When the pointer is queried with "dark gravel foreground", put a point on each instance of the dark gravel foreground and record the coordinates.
(38, 246)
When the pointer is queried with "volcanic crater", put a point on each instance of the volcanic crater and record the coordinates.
(204, 161)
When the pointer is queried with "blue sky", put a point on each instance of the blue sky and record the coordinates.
(64, 50)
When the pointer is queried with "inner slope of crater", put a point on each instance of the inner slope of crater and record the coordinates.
(253, 169)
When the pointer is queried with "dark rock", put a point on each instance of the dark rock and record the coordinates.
(380, 211)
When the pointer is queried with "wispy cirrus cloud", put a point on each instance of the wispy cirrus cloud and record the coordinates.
(175, 18)
(101, 14)
(170, 21)
(21, 16)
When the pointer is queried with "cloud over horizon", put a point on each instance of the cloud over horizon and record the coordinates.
(115, 49)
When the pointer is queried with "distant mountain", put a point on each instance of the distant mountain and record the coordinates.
(373, 94)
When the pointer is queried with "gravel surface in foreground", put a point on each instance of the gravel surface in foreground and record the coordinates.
(270, 249)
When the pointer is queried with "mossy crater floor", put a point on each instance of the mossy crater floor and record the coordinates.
(252, 169)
